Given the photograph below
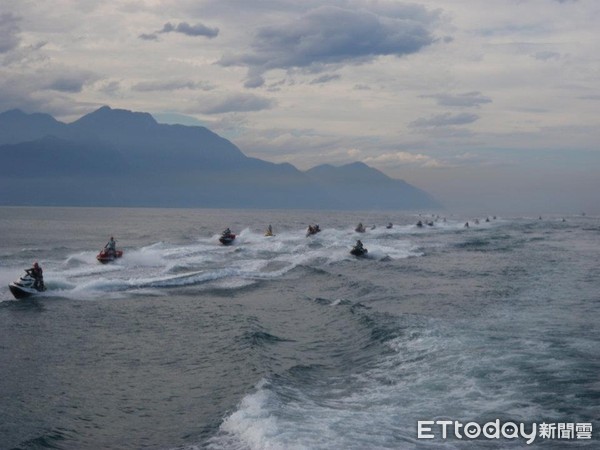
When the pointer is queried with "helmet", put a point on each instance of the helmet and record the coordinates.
(35, 264)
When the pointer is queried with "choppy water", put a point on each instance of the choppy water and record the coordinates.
(289, 342)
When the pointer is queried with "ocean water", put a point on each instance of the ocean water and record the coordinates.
(289, 342)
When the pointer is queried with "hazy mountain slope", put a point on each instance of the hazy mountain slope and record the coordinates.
(357, 184)
(115, 157)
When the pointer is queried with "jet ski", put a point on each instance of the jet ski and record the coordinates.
(105, 256)
(358, 250)
(25, 287)
(227, 237)
(360, 228)
(389, 225)
(420, 224)
(313, 229)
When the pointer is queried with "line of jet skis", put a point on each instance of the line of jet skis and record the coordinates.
(32, 282)
(227, 237)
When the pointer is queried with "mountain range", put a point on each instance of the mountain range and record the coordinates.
(116, 157)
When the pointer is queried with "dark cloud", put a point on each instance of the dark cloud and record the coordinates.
(190, 30)
(325, 79)
(149, 37)
(67, 83)
(236, 103)
(468, 99)
(64, 79)
(183, 28)
(331, 35)
(9, 32)
(254, 81)
(444, 120)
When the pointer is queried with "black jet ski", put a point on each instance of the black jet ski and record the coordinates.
(358, 250)
(106, 256)
(313, 229)
(389, 225)
(360, 228)
(227, 237)
(25, 287)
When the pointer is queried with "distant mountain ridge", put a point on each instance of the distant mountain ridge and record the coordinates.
(17, 126)
(116, 157)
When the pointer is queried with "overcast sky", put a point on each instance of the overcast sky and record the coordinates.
(490, 105)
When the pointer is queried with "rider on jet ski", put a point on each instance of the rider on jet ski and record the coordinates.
(37, 274)
(111, 246)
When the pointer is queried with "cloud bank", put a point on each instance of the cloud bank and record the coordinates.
(332, 35)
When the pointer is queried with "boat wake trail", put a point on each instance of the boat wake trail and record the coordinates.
(208, 264)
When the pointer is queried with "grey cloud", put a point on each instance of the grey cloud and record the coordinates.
(444, 120)
(183, 28)
(149, 37)
(61, 79)
(9, 32)
(468, 99)
(25, 54)
(331, 35)
(68, 83)
(237, 103)
(170, 85)
(190, 30)
(110, 88)
(325, 79)
(254, 81)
